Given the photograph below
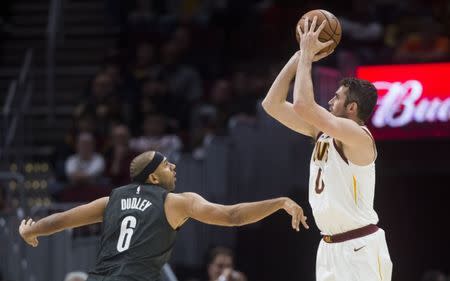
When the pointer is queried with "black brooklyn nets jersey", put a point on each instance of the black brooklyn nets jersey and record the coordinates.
(137, 239)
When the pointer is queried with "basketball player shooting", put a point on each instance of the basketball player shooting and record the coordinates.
(342, 166)
(141, 220)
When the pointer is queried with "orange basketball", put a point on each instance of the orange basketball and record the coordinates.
(331, 31)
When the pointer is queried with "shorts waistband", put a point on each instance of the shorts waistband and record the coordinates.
(351, 234)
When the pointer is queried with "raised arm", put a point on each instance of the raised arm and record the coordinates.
(82, 215)
(343, 129)
(180, 207)
(276, 104)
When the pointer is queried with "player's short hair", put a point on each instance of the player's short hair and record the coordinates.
(363, 93)
(140, 162)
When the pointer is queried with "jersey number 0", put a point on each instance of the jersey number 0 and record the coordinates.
(126, 232)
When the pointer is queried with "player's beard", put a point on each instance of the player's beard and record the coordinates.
(338, 113)
(169, 183)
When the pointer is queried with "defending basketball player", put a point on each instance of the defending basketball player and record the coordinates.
(342, 167)
(141, 220)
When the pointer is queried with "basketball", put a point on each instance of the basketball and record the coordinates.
(331, 31)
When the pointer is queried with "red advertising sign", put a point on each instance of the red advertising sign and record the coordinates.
(413, 100)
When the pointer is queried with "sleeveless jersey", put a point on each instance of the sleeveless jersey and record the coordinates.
(340, 193)
(137, 239)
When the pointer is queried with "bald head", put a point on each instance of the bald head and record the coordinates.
(152, 167)
(140, 162)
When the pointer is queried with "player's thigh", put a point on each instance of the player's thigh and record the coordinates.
(385, 258)
(330, 264)
(324, 262)
(369, 258)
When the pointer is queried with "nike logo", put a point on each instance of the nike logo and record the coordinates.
(357, 249)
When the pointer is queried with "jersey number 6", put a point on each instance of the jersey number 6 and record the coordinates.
(126, 231)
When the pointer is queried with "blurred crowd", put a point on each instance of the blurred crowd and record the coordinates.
(183, 72)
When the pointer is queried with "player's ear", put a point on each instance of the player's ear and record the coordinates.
(352, 107)
(153, 178)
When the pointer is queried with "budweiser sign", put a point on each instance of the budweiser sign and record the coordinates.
(413, 100)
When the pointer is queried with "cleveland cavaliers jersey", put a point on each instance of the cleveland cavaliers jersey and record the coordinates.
(340, 193)
(137, 239)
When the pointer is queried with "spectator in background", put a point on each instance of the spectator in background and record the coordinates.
(184, 81)
(156, 97)
(122, 86)
(156, 136)
(182, 38)
(434, 275)
(86, 122)
(210, 118)
(248, 89)
(104, 102)
(221, 266)
(85, 166)
(76, 276)
(118, 156)
(362, 30)
(101, 88)
(144, 63)
(427, 44)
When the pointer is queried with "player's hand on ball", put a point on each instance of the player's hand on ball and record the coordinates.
(296, 212)
(309, 39)
(316, 57)
(320, 56)
(25, 232)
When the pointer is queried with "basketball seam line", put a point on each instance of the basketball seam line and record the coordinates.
(332, 38)
(329, 35)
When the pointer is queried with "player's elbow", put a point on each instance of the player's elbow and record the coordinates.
(271, 108)
(267, 106)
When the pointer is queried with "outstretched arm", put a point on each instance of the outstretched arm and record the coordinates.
(82, 215)
(180, 207)
(343, 129)
(276, 105)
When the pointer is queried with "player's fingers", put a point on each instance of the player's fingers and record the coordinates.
(299, 30)
(297, 223)
(328, 43)
(320, 56)
(321, 26)
(293, 221)
(303, 220)
(313, 24)
(305, 24)
(299, 218)
(29, 221)
(21, 226)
